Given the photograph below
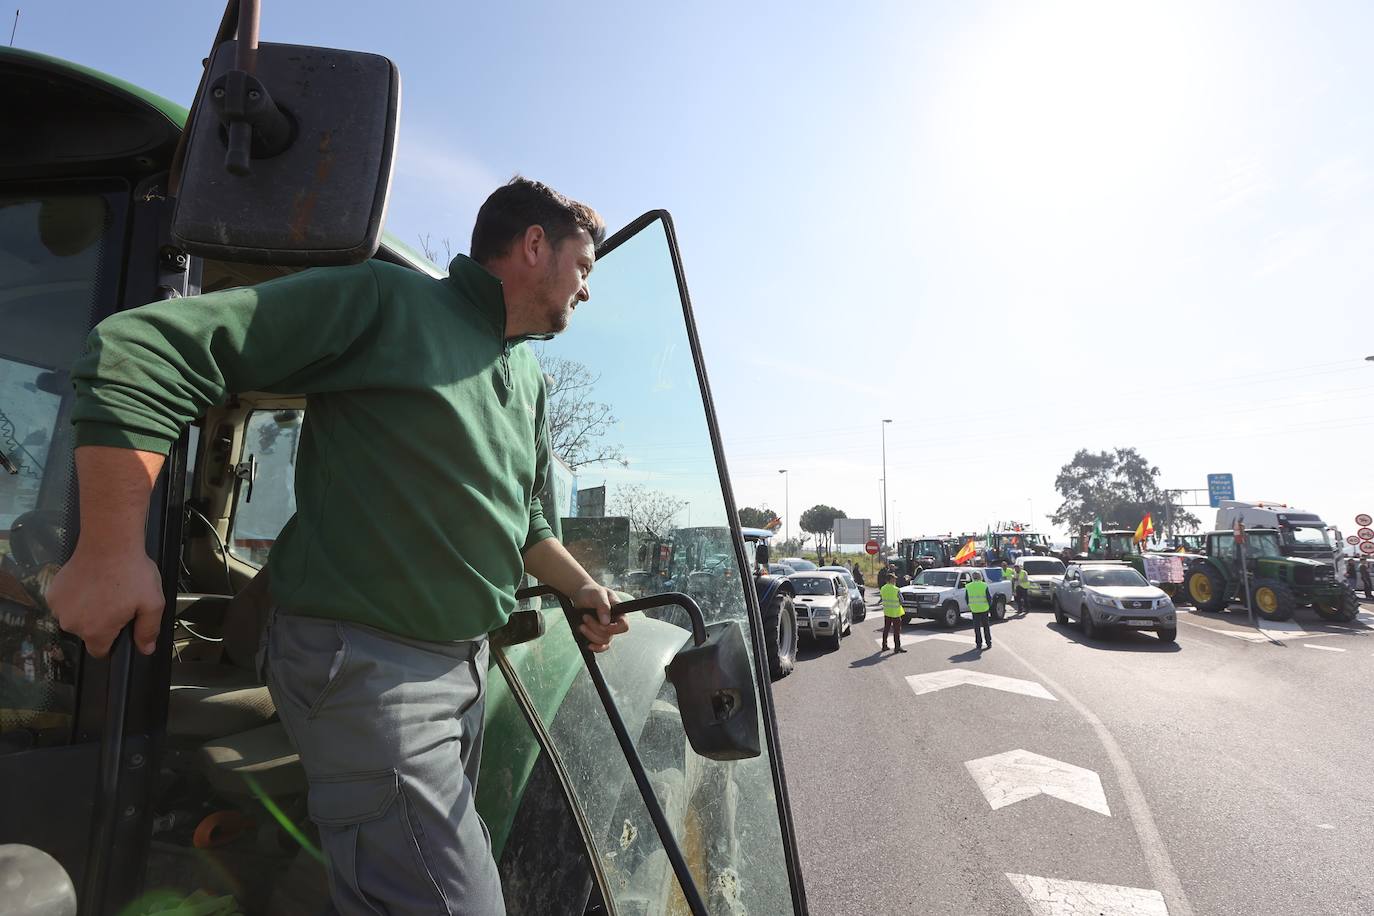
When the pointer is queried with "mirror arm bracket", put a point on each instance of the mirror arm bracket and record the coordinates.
(256, 127)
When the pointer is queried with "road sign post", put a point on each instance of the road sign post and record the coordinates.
(1239, 530)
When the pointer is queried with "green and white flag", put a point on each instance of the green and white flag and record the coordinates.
(1095, 542)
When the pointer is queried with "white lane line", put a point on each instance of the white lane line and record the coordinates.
(954, 677)
(1058, 897)
(1247, 635)
(1308, 645)
(1156, 854)
(1014, 776)
(924, 637)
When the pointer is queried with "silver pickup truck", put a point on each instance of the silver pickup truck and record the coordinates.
(938, 594)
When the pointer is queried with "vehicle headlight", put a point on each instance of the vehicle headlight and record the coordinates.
(1103, 601)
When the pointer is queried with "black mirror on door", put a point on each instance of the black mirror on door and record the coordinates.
(715, 694)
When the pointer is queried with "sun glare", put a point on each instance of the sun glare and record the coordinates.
(1069, 106)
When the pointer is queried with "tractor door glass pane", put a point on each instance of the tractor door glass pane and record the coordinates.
(54, 255)
(651, 518)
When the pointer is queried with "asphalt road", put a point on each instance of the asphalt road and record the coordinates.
(1226, 774)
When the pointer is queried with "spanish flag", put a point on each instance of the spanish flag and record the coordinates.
(966, 553)
(1145, 530)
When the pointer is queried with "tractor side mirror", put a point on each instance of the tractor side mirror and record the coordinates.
(287, 155)
(715, 695)
(761, 554)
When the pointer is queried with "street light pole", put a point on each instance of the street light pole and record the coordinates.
(786, 511)
(885, 534)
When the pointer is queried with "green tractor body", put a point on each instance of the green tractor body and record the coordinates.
(1278, 584)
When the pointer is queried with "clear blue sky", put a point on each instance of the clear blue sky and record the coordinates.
(1016, 229)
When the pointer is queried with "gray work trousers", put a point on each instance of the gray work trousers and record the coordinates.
(390, 735)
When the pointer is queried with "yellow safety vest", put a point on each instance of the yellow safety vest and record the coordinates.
(1024, 580)
(892, 600)
(977, 592)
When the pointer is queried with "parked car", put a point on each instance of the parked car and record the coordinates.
(858, 609)
(1044, 573)
(938, 594)
(822, 605)
(780, 569)
(1100, 596)
(799, 564)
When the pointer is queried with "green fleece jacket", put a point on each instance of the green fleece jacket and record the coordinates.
(424, 446)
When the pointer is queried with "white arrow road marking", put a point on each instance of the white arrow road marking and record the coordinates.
(1018, 775)
(947, 637)
(1057, 897)
(1308, 645)
(953, 677)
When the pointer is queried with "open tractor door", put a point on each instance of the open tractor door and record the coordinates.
(642, 781)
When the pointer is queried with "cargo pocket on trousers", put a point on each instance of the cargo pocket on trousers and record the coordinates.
(375, 859)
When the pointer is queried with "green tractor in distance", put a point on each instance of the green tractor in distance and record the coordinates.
(1117, 544)
(925, 553)
(1120, 544)
(1279, 584)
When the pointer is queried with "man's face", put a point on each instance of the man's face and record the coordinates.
(563, 283)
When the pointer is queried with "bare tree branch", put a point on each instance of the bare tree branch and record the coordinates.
(648, 510)
(577, 423)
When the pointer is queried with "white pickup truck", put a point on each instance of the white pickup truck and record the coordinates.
(938, 594)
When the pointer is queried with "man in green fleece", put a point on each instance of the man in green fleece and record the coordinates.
(424, 449)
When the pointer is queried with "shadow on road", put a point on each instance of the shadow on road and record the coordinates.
(869, 661)
(1116, 640)
(972, 655)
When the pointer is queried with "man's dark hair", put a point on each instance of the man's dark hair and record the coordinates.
(521, 203)
(883, 578)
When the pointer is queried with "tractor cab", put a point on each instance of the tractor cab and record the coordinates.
(1117, 544)
(646, 780)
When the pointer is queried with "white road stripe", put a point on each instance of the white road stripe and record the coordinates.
(954, 677)
(1308, 645)
(1058, 897)
(1156, 854)
(1014, 776)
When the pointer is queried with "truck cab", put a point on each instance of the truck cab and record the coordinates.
(148, 781)
(1300, 533)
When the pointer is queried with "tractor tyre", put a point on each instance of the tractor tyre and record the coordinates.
(780, 636)
(1342, 610)
(1272, 599)
(1206, 589)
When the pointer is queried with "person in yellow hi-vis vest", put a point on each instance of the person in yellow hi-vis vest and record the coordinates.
(892, 611)
(980, 606)
(1022, 586)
